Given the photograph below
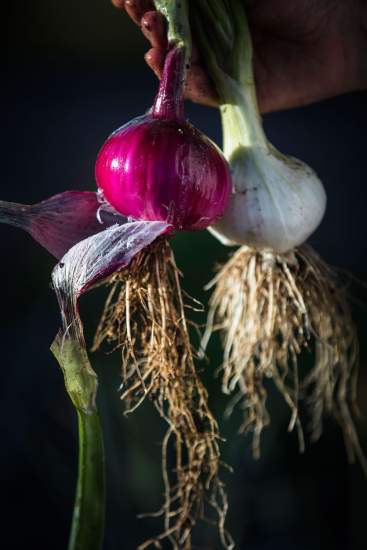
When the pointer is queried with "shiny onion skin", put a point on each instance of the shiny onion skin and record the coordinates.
(159, 167)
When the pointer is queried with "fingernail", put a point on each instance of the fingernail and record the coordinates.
(146, 25)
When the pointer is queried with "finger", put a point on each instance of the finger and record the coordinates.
(155, 59)
(199, 87)
(195, 55)
(153, 26)
(136, 8)
(119, 4)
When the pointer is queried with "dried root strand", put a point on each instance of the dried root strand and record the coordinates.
(269, 307)
(145, 317)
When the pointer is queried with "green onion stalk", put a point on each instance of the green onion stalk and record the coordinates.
(81, 384)
(275, 297)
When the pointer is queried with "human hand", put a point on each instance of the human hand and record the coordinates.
(304, 51)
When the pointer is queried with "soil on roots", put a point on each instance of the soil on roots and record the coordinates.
(269, 308)
(144, 316)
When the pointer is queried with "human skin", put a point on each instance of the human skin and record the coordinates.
(304, 50)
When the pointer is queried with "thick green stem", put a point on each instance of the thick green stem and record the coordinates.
(242, 49)
(89, 508)
(178, 32)
(232, 77)
(81, 385)
(80, 379)
(241, 123)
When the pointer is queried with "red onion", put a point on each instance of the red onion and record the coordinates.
(159, 167)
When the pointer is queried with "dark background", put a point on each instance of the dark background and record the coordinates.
(74, 72)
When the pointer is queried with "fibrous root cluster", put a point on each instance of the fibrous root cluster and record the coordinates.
(145, 317)
(269, 308)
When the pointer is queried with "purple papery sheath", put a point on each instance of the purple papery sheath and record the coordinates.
(94, 259)
(61, 221)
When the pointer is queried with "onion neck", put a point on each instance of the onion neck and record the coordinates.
(169, 103)
(241, 122)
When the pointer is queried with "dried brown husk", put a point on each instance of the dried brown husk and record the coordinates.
(269, 307)
(145, 317)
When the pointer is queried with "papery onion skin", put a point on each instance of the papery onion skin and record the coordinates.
(159, 167)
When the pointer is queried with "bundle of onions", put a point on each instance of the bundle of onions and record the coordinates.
(156, 175)
(275, 296)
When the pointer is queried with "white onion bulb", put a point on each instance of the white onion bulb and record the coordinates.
(277, 201)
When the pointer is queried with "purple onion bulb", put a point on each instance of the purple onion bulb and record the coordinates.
(159, 167)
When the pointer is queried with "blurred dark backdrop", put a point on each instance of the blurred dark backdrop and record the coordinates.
(74, 72)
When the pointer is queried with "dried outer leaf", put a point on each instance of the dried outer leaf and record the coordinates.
(61, 221)
(84, 265)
